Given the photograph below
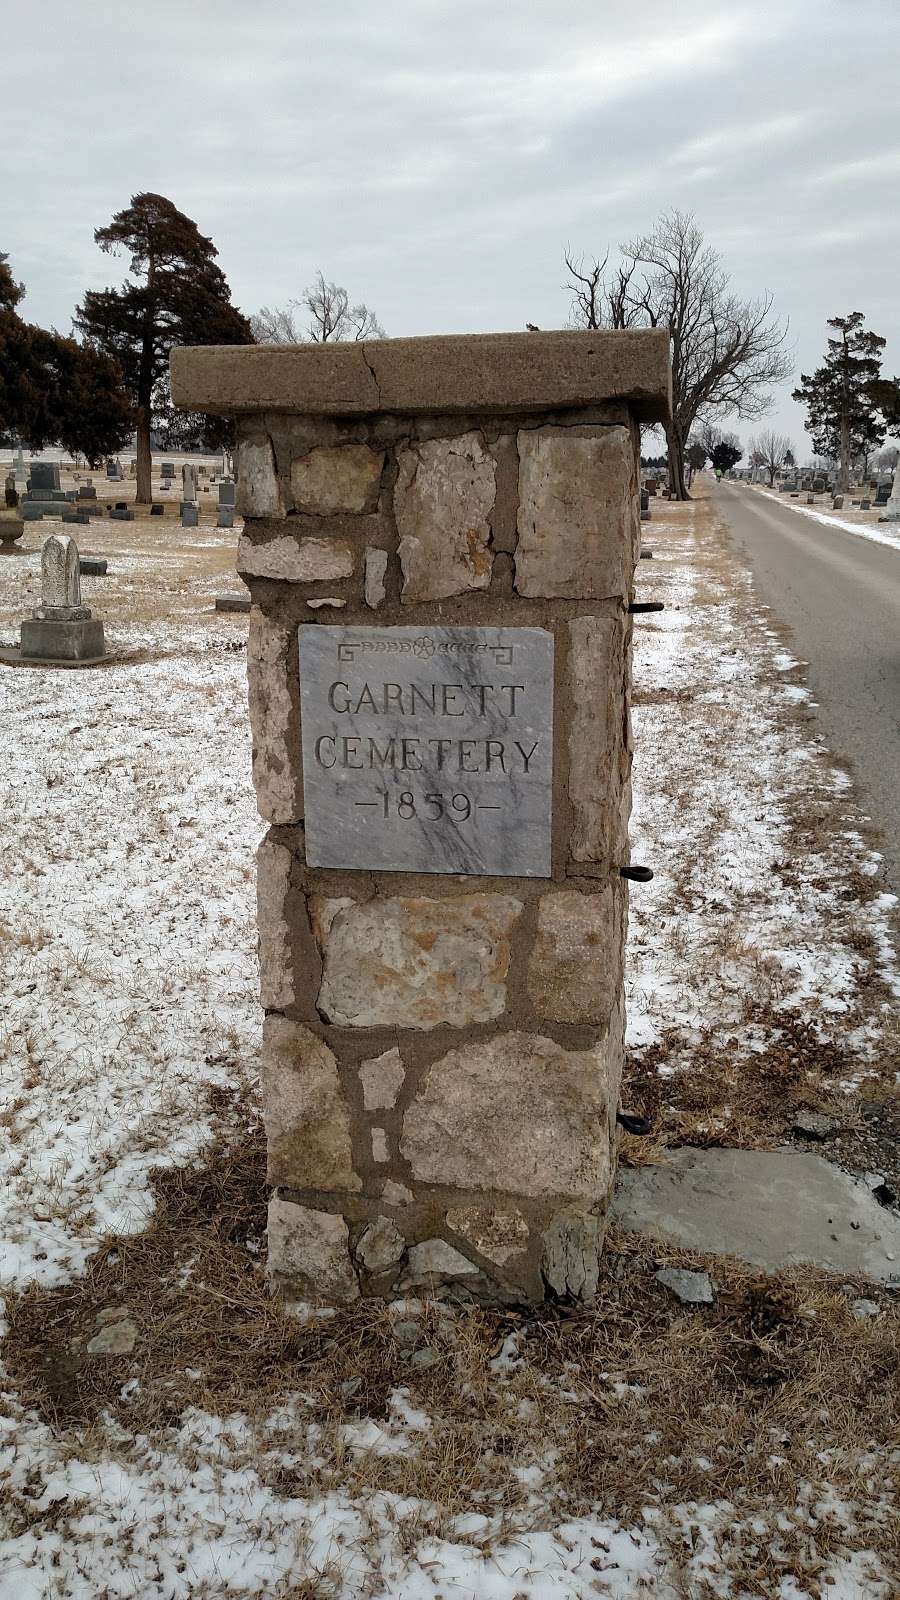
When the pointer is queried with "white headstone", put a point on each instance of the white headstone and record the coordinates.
(60, 573)
(892, 509)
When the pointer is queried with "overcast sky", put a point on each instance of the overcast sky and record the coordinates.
(436, 156)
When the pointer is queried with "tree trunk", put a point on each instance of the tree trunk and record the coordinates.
(675, 442)
(845, 452)
(144, 491)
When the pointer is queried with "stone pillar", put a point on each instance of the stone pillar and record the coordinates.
(440, 542)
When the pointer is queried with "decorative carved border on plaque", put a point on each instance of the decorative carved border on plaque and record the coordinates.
(424, 647)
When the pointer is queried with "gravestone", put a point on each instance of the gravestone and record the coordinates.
(167, 470)
(121, 514)
(440, 564)
(190, 515)
(892, 508)
(188, 484)
(10, 492)
(227, 490)
(44, 476)
(883, 493)
(44, 497)
(20, 468)
(225, 519)
(61, 628)
(837, 503)
(819, 485)
(865, 505)
(93, 566)
(156, 510)
(87, 491)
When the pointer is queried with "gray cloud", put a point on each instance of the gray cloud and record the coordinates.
(436, 157)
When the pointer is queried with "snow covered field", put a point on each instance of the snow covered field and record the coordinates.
(762, 976)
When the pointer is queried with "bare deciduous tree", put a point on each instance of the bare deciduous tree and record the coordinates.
(770, 450)
(726, 352)
(276, 325)
(329, 317)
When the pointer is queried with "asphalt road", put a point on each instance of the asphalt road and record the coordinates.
(840, 598)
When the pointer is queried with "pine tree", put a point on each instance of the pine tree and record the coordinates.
(54, 390)
(843, 420)
(175, 295)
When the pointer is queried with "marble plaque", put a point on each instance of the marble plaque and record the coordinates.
(428, 749)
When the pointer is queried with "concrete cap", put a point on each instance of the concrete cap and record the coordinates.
(482, 372)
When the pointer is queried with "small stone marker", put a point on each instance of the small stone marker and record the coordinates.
(837, 503)
(61, 628)
(93, 566)
(122, 514)
(156, 510)
(225, 519)
(232, 602)
(865, 505)
(190, 516)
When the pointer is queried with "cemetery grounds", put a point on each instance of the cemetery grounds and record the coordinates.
(219, 1449)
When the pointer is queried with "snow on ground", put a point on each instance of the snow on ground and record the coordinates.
(723, 769)
(127, 933)
(885, 533)
(128, 942)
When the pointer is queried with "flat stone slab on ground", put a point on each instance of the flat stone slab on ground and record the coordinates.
(93, 566)
(232, 602)
(773, 1208)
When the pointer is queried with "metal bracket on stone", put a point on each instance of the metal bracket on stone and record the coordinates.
(636, 874)
(640, 1126)
(646, 605)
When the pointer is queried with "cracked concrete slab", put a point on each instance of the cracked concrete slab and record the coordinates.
(773, 1208)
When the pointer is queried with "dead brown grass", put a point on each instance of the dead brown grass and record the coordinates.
(636, 1403)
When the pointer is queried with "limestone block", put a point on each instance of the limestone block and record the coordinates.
(292, 560)
(273, 877)
(571, 1257)
(396, 1194)
(517, 1113)
(374, 585)
(416, 963)
(310, 1250)
(577, 510)
(306, 1115)
(258, 487)
(598, 757)
(495, 1234)
(380, 1246)
(575, 961)
(325, 481)
(382, 1079)
(443, 500)
(434, 1258)
(274, 720)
